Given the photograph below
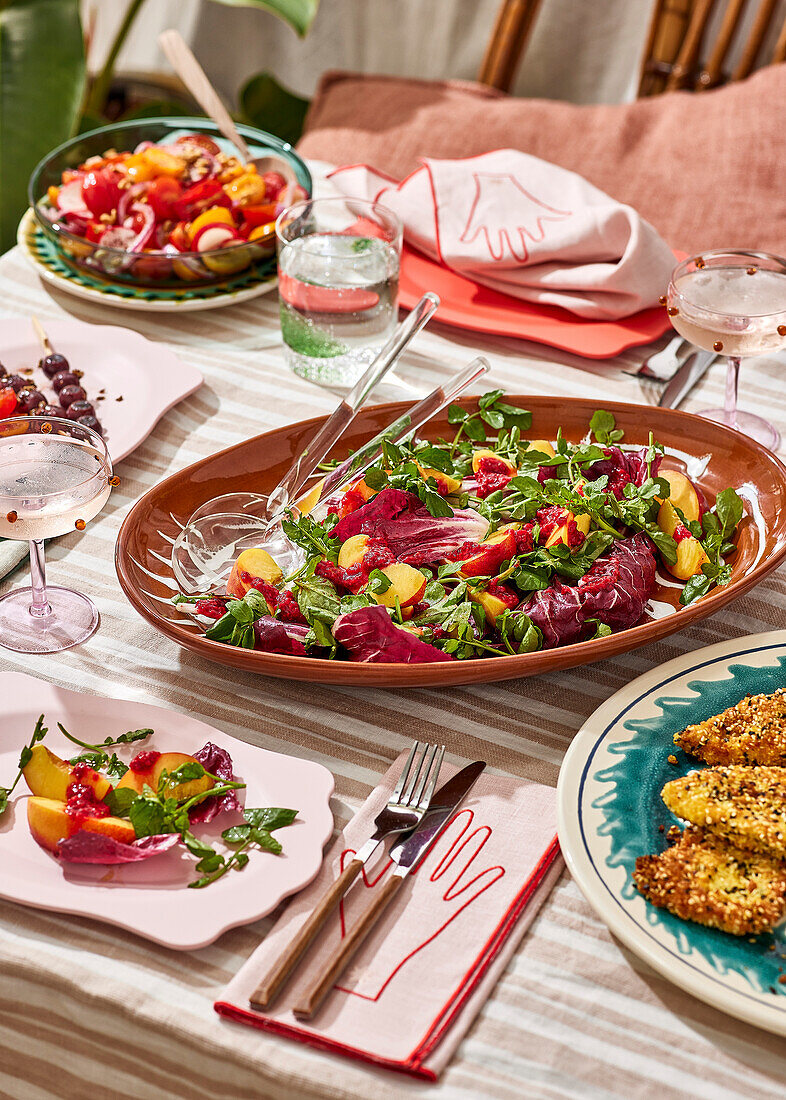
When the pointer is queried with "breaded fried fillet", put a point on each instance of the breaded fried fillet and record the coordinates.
(745, 805)
(753, 731)
(704, 879)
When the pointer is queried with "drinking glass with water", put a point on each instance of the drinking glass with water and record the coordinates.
(338, 269)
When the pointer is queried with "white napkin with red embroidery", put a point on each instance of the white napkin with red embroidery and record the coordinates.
(526, 228)
(428, 966)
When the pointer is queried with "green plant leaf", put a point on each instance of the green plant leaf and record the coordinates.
(42, 76)
(298, 13)
(269, 106)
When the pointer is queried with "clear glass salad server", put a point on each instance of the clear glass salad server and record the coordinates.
(203, 554)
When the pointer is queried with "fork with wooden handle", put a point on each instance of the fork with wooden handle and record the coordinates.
(407, 805)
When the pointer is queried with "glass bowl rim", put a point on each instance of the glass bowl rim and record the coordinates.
(277, 145)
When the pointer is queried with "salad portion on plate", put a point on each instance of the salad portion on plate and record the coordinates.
(486, 544)
(94, 808)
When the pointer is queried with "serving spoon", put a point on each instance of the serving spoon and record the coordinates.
(185, 64)
(204, 552)
(223, 526)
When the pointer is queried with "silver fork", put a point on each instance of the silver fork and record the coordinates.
(406, 806)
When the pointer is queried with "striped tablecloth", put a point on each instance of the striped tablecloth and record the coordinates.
(89, 1011)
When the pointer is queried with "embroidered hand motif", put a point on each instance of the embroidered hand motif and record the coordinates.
(455, 881)
(506, 214)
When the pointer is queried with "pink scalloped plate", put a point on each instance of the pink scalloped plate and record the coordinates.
(141, 380)
(153, 898)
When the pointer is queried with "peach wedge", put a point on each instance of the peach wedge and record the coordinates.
(49, 824)
(258, 564)
(50, 777)
(406, 583)
(138, 778)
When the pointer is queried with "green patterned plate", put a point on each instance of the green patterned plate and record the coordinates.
(52, 268)
(610, 812)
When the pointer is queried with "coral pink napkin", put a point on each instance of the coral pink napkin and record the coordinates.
(527, 228)
(427, 968)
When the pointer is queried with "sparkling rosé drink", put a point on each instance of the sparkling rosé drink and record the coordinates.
(732, 302)
(55, 476)
(48, 486)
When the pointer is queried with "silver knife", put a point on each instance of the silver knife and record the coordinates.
(407, 854)
(692, 371)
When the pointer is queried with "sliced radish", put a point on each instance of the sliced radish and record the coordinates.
(323, 299)
(117, 236)
(214, 235)
(70, 201)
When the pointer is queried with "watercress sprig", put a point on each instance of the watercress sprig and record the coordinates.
(97, 757)
(39, 733)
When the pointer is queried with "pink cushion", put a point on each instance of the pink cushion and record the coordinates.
(704, 167)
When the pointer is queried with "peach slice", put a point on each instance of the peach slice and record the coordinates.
(258, 564)
(682, 494)
(560, 534)
(492, 605)
(542, 446)
(353, 550)
(49, 824)
(478, 457)
(138, 778)
(446, 483)
(406, 582)
(50, 777)
(690, 555)
(308, 503)
(690, 558)
(499, 547)
(361, 489)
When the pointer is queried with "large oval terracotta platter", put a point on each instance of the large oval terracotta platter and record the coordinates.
(713, 456)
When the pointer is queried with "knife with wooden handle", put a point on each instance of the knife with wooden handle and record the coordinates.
(407, 854)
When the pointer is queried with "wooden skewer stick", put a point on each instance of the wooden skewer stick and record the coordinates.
(42, 336)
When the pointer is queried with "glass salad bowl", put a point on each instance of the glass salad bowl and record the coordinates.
(160, 203)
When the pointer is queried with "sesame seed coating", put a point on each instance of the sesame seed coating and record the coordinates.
(753, 731)
(745, 805)
(705, 879)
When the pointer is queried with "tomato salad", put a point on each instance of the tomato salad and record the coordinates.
(485, 545)
(171, 200)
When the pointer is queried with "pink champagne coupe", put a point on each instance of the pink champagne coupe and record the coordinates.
(732, 301)
(55, 476)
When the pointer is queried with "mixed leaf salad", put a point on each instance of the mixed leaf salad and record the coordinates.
(484, 545)
(94, 808)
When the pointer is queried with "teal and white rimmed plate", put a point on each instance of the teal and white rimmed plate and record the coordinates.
(49, 264)
(610, 810)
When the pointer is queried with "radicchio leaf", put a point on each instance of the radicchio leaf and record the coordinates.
(409, 529)
(615, 590)
(617, 587)
(557, 613)
(631, 464)
(273, 636)
(218, 762)
(370, 635)
(85, 847)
